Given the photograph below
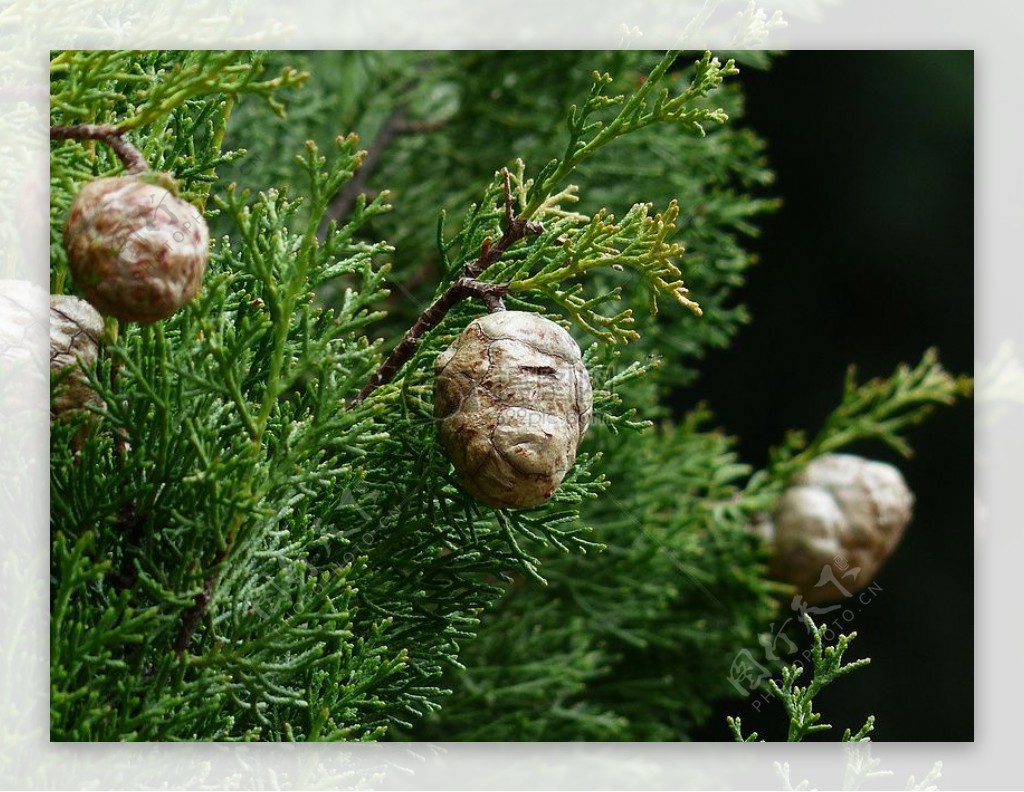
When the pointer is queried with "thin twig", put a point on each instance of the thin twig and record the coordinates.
(194, 615)
(105, 133)
(129, 525)
(516, 228)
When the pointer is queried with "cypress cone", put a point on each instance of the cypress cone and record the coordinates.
(137, 251)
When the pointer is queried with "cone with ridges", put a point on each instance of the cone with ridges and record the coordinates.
(136, 250)
(513, 400)
(75, 332)
(836, 525)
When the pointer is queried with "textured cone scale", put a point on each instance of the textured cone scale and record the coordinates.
(837, 524)
(75, 332)
(512, 400)
(135, 250)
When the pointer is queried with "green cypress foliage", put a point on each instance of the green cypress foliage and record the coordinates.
(242, 549)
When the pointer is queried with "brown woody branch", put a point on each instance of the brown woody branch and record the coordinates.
(195, 614)
(111, 135)
(516, 228)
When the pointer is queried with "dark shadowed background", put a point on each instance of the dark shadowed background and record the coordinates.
(869, 261)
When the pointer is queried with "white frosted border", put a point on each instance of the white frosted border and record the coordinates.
(29, 29)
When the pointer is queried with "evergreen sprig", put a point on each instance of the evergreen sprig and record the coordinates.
(879, 409)
(639, 243)
(649, 104)
(574, 244)
(826, 667)
(161, 82)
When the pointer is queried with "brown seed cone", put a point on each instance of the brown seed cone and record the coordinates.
(512, 400)
(135, 250)
(75, 332)
(837, 524)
